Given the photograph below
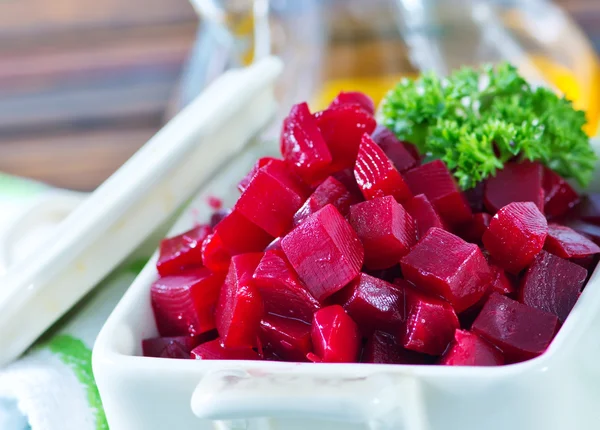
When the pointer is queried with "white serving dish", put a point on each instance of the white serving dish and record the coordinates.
(558, 390)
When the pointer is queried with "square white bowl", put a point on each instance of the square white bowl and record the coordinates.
(557, 390)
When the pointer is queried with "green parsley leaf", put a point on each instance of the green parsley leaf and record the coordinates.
(477, 120)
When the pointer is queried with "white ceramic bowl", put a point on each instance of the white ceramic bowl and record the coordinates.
(558, 390)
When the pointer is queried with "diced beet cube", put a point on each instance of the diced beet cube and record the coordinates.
(335, 336)
(567, 243)
(500, 284)
(591, 231)
(521, 332)
(262, 162)
(430, 321)
(468, 349)
(239, 308)
(303, 146)
(382, 348)
(559, 196)
(325, 252)
(516, 235)
(214, 254)
(552, 284)
(283, 293)
(287, 338)
(240, 235)
(169, 347)
(373, 304)
(376, 175)
(424, 214)
(356, 98)
(272, 198)
(183, 304)
(214, 350)
(395, 150)
(589, 209)
(347, 179)
(437, 183)
(342, 128)
(516, 182)
(475, 197)
(385, 229)
(473, 231)
(445, 265)
(330, 191)
(182, 252)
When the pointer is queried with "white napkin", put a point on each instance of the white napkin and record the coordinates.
(52, 386)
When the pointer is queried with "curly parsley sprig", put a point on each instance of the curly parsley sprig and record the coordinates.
(477, 120)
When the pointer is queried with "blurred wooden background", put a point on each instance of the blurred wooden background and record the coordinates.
(84, 83)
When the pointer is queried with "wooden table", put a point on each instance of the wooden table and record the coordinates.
(84, 83)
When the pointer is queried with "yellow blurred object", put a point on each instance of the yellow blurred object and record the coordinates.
(582, 88)
(375, 87)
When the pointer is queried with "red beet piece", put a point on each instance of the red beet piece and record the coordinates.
(214, 350)
(445, 265)
(385, 229)
(342, 128)
(182, 252)
(383, 348)
(500, 284)
(330, 191)
(395, 150)
(552, 284)
(239, 235)
(283, 293)
(325, 252)
(559, 196)
(430, 321)
(468, 349)
(373, 304)
(516, 235)
(436, 182)
(591, 231)
(169, 347)
(272, 198)
(335, 336)
(214, 254)
(262, 162)
(376, 175)
(589, 209)
(287, 338)
(239, 308)
(521, 332)
(473, 231)
(516, 182)
(424, 214)
(567, 243)
(356, 98)
(183, 304)
(303, 146)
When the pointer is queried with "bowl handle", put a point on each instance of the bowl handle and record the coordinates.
(382, 401)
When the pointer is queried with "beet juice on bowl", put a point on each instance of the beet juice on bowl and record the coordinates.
(441, 230)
